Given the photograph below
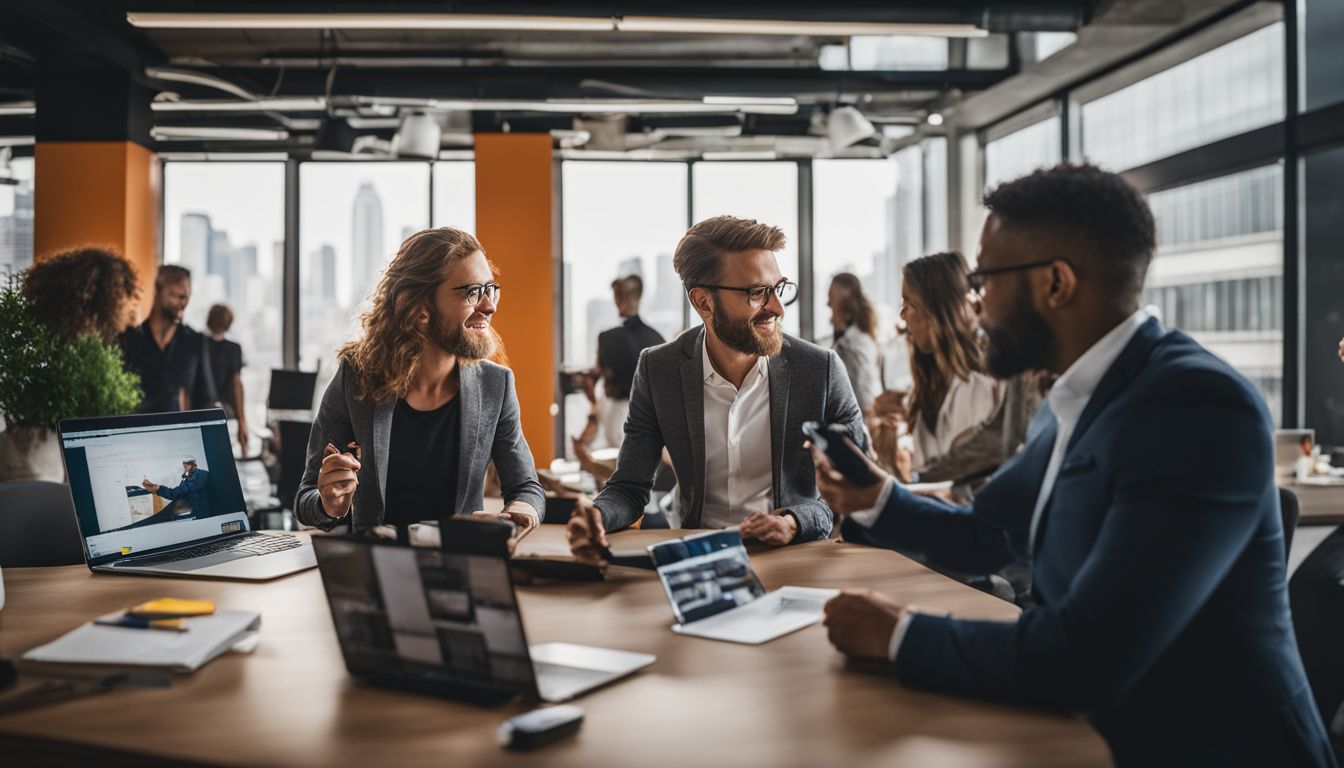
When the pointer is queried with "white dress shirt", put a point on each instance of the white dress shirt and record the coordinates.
(1068, 398)
(738, 479)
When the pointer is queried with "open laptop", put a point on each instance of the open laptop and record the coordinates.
(446, 622)
(158, 494)
(716, 594)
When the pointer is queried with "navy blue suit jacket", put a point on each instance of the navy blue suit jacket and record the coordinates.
(193, 490)
(1158, 572)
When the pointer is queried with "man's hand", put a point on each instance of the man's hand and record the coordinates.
(337, 481)
(148, 486)
(890, 403)
(523, 524)
(841, 495)
(586, 535)
(777, 528)
(242, 438)
(859, 623)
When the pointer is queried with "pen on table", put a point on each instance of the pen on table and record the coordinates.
(137, 622)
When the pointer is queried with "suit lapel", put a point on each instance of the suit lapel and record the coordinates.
(1125, 368)
(779, 411)
(382, 442)
(469, 414)
(693, 394)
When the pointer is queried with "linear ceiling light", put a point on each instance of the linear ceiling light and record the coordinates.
(512, 23)
(562, 106)
(301, 104)
(204, 133)
(18, 109)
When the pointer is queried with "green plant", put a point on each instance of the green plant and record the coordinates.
(44, 378)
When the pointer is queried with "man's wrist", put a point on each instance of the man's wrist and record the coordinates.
(793, 522)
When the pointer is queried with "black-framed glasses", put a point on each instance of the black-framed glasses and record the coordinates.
(474, 292)
(758, 295)
(973, 278)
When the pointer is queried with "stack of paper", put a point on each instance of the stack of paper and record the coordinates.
(205, 638)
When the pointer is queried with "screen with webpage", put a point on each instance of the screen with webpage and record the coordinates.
(142, 483)
(437, 615)
(706, 574)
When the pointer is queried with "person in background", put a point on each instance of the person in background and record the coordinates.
(226, 362)
(854, 322)
(617, 354)
(84, 290)
(417, 409)
(168, 355)
(728, 401)
(189, 497)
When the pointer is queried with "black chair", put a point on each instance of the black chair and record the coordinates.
(1316, 594)
(293, 458)
(38, 526)
(1290, 510)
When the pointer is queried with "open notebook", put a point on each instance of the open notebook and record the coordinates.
(716, 594)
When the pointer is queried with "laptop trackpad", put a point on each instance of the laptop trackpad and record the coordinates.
(197, 563)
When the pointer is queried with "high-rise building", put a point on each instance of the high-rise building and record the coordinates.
(366, 241)
(195, 242)
(327, 257)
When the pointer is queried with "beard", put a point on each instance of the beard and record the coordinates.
(454, 339)
(170, 315)
(1023, 343)
(742, 336)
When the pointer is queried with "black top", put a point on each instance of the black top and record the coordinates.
(226, 361)
(422, 464)
(618, 353)
(183, 364)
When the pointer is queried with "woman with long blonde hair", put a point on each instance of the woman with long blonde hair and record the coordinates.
(417, 409)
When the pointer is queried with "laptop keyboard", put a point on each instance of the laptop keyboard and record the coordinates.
(247, 544)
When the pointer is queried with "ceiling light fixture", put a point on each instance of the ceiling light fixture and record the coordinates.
(935, 118)
(516, 23)
(847, 126)
(205, 133)
(562, 106)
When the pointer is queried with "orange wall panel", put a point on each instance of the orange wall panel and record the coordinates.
(98, 193)
(515, 210)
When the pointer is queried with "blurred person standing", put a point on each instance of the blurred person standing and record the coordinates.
(617, 355)
(167, 354)
(226, 362)
(854, 322)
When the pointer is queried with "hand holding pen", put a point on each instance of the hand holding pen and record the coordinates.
(338, 478)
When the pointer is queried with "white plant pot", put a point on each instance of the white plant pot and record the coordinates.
(31, 453)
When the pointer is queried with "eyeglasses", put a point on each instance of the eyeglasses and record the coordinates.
(758, 295)
(475, 291)
(974, 278)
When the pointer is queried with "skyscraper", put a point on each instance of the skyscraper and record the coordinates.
(195, 242)
(366, 242)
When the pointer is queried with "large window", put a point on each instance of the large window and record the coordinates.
(1321, 26)
(352, 218)
(1232, 89)
(1022, 151)
(619, 218)
(455, 195)
(1323, 307)
(1218, 273)
(767, 192)
(16, 219)
(856, 207)
(225, 222)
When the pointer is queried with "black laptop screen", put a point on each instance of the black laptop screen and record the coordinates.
(143, 483)
(421, 613)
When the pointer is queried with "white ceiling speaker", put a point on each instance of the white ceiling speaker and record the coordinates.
(847, 126)
(418, 137)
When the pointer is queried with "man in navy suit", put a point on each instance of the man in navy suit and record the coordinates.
(1144, 500)
(189, 496)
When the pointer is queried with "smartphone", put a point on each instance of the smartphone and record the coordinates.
(842, 453)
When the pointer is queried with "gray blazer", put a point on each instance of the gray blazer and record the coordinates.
(667, 408)
(490, 429)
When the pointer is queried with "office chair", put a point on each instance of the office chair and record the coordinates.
(38, 526)
(1290, 510)
(1316, 596)
(293, 458)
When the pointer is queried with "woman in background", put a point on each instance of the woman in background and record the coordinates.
(855, 324)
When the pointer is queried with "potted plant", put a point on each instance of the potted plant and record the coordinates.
(43, 379)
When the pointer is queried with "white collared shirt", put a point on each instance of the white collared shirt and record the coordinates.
(1068, 398)
(738, 479)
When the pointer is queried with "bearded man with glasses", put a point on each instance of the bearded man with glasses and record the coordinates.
(728, 401)
(416, 410)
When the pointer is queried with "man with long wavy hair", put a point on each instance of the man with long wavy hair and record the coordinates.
(417, 409)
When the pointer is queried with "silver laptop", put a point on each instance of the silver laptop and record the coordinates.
(158, 494)
(446, 622)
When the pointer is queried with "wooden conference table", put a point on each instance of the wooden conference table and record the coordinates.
(791, 702)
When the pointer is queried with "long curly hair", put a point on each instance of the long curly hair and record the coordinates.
(83, 290)
(939, 280)
(386, 357)
(857, 307)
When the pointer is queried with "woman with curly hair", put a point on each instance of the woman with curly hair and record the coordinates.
(417, 409)
(84, 290)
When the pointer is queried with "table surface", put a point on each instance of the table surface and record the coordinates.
(1321, 504)
(790, 702)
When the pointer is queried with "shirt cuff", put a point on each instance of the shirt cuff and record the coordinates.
(867, 517)
(898, 634)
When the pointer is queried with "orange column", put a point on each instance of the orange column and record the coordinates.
(515, 222)
(103, 193)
